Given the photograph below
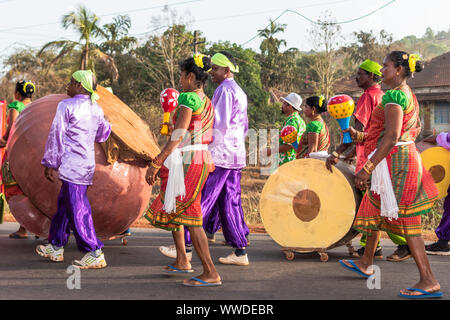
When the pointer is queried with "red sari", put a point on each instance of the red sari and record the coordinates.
(197, 166)
(413, 186)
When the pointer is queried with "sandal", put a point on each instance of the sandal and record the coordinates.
(15, 235)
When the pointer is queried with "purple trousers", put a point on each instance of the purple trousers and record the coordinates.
(74, 213)
(443, 230)
(222, 207)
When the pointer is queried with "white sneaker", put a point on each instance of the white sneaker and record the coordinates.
(234, 259)
(90, 261)
(171, 252)
(49, 252)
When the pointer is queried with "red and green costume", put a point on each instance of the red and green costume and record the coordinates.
(413, 186)
(197, 166)
(316, 126)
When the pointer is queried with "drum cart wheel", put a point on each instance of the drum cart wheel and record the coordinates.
(290, 253)
(323, 255)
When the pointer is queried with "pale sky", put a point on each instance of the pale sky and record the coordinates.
(33, 23)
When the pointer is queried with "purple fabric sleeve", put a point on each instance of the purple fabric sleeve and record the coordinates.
(103, 132)
(54, 148)
(230, 126)
(443, 140)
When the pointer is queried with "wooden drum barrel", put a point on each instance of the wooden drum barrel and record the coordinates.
(305, 207)
(119, 193)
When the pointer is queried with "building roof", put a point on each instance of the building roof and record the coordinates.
(432, 97)
(435, 74)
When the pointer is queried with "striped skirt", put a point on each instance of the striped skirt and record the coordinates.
(188, 209)
(414, 190)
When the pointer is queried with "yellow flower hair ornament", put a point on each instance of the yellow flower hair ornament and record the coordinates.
(25, 87)
(198, 59)
(321, 98)
(413, 58)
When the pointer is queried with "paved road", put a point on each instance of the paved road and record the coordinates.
(134, 272)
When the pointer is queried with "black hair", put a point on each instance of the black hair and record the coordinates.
(201, 74)
(376, 78)
(400, 58)
(229, 56)
(314, 102)
(25, 88)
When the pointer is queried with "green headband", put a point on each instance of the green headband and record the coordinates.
(86, 78)
(371, 66)
(221, 60)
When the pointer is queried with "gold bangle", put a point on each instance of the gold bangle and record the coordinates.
(367, 170)
(370, 164)
(335, 154)
(369, 167)
(154, 165)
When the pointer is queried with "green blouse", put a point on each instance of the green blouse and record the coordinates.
(314, 126)
(190, 100)
(396, 97)
(17, 105)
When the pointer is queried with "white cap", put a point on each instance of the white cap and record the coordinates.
(294, 100)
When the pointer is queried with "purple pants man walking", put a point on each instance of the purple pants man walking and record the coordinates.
(79, 123)
(221, 195)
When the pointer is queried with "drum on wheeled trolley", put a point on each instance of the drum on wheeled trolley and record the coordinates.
(306, 208)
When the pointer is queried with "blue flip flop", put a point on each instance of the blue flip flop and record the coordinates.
(202, 283)
(354, 268)
(424, 294)
(174, 270)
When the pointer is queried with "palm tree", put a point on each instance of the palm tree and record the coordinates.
(270, 44)
(116, 35)
(270, 57)
(86, 24)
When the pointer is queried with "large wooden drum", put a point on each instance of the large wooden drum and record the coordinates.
(119, 193)
(304, 207)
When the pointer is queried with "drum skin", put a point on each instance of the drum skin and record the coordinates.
(118, 195)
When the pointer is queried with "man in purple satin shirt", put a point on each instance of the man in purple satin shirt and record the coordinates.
(79, 123)
(441, 246)
(221, 195)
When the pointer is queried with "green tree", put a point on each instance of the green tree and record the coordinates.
(270, 44)
(116, 36)
(25, 63)
(271, 58)
(367, 45)
(86, 24)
